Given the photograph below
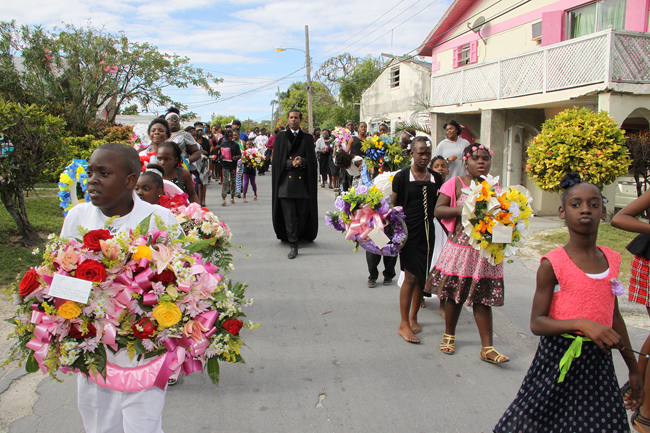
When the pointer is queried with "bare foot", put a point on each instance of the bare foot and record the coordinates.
(441, 312)
(408, 334)
(415, 327)
(423, 305)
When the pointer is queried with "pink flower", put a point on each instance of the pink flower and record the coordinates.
(48, 57)
(194, 329)
(107, 68)
(528, 167)
(67, 259)
(102, 62)
(111, 252)
(47, 51)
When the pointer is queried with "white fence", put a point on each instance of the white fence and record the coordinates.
(604, 57)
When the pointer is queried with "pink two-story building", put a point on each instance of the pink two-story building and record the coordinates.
(502, 67)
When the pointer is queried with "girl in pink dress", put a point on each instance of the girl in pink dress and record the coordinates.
(571, 385)
(461, 274)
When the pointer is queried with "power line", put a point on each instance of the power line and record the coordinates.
(380, 17)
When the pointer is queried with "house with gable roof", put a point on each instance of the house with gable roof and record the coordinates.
(392, 97)
(502, 67)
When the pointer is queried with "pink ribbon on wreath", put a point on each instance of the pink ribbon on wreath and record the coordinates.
(177, 348)
(131, 379)
(43, 332)
(358, 224)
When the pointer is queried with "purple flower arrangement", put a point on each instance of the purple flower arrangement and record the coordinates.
(360, 211)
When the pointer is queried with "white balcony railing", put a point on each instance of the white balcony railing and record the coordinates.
(604, 57)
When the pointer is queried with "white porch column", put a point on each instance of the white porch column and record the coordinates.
(493, 123)
(437, 131)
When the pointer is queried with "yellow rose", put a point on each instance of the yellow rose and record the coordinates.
(143, 252)
(484, 244)
(167, 314)
(69, 310)
(476, 235)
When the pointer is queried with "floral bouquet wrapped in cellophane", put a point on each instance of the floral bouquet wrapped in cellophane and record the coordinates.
(341, 138)
(380, 150)
(145, 293)
(367, 220)
(252, 158)
(496, 221)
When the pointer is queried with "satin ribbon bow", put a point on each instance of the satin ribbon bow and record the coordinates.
(358, 224)
(572, 352)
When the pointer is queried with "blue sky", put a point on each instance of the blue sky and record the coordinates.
(235, 40)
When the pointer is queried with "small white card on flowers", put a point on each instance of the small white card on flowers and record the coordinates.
(378, 236)
(501, 234)
(70, 288)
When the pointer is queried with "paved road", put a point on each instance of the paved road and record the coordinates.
(327, 356)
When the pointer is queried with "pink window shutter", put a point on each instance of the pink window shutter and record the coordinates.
(552, 27)
(455, 54)
(473, 52)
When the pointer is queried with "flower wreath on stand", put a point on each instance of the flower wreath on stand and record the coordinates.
(74, 174)
(367, 220)
(147, 294)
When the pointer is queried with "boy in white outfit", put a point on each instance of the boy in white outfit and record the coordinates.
(112, 174)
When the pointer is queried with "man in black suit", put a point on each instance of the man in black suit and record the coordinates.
(295, 178)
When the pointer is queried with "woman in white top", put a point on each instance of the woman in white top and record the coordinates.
(451, 148)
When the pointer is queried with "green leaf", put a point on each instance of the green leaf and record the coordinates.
(101, 367)
(197, 246)
(213, 370)
(139, 348)
(143, 227)
(31, 366)
(239, 359)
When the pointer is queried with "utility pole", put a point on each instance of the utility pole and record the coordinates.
(309, 90)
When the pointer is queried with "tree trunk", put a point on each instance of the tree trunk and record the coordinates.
(17, 211)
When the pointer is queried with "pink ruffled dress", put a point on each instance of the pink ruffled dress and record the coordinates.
(461, 273)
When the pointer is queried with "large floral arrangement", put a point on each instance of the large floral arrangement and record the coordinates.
(364, 209)
(74, 174)
(488, 209)
(208, 236)
(341, 137)
(578, 139)
(149, 296)
(252, 158)
(380, 150)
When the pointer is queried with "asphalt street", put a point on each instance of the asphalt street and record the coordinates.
(327, 356)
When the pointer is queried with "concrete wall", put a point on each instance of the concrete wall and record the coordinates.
(398, 103)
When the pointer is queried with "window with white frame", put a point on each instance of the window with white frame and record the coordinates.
(594, 17)
(463, 55)
(394, 77)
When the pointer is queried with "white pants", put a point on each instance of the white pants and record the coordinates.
(106, 411)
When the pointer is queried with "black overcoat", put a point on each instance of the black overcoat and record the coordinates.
(284, 141)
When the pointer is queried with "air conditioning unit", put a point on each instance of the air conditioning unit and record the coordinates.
(537, 31)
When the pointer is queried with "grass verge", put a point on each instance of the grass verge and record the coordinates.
(45, 215)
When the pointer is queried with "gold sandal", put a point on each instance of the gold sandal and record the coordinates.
(447, 344)
(497, 359)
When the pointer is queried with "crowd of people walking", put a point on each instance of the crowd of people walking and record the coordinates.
(437, 258)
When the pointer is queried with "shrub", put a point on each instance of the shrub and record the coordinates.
(577, 139)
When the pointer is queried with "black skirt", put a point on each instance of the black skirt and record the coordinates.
(588, 400)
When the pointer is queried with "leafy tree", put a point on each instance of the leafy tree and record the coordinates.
(296, 97)
(221, 120)
(353, 85)
(577, 139)
(31, 139)
(77, 72)
(131, 110)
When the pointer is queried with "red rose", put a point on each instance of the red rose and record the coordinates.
(29, 283)
(164, 201)
(166, 276)
(91, 270)
(233, 326)
(75, 331)
(92, 238)
(146, 328)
